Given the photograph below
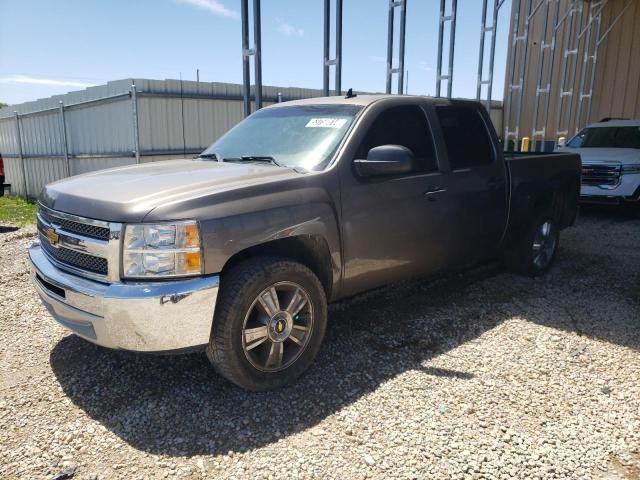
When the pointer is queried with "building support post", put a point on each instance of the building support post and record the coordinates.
(257, 57)
(247, 52)
(63, 138)
(23, 170)
(136, 130)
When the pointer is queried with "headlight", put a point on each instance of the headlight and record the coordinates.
(162, 250)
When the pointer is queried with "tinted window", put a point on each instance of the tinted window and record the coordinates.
(607, 137)
(406, 126)
(465, 136)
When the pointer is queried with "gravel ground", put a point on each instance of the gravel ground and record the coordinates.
(485, 375)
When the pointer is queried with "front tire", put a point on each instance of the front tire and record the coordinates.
(535, 250)
(270, 320)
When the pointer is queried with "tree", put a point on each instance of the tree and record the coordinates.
(2, 105)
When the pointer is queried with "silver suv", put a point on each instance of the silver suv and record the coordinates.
(610, 152)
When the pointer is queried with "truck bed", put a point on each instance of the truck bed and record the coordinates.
(554, 176)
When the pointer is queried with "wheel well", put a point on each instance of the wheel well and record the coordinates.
(309, 250)
(560, 205)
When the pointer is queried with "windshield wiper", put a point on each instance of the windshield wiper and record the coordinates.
(250, 158)
(254, 158)
(266, 158)
(213, 156)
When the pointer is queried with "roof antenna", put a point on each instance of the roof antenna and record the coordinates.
(350, 94)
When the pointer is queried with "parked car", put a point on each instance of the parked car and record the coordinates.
(610, 152)
(1, 176)
(239, 251)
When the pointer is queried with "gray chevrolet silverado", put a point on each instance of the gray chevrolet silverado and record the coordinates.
(238, 251)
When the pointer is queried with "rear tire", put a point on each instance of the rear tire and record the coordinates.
(535, 250)
(270, 319)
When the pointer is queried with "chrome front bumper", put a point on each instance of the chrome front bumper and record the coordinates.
(138, 316)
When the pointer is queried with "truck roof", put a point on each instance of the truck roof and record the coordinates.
(615, 123)
(362, 100)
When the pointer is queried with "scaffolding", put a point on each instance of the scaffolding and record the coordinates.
(337, 60)
(590, 59)
(493, 31)
(568, 69)
(445, 20)
(399, 70)
(546, 57)
(572, 92)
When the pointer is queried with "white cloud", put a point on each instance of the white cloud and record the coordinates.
(212, 6)
(24, 79)
(289, 30)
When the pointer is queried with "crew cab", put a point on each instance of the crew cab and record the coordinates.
(610, 152)
(238, 251)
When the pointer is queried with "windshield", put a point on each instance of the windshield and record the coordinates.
(607, 137)
(297, 136)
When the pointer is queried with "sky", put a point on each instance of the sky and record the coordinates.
(50, 47)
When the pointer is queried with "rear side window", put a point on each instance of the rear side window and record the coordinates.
(465, 136)
(406, 126)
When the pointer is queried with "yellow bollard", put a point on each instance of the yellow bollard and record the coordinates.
(524, 145)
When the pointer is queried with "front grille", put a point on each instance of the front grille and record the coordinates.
(600, 174)
(91, 231)
(80, 245)
(75, 259)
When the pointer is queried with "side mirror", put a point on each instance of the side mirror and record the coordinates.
(385, 160)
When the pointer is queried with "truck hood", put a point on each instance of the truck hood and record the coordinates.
(128, 194)
(605, 155)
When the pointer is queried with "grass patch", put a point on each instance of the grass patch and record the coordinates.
(17, 211)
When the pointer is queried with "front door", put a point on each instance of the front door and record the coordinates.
(391, 223)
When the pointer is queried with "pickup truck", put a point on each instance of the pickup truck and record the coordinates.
(610, 152)
(238, 251)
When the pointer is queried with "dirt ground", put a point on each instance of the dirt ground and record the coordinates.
(481, 375)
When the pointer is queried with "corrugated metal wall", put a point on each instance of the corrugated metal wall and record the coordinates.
(175, 119)
(617, 79)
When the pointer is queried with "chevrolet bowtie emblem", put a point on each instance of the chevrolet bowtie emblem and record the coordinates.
(52, 236)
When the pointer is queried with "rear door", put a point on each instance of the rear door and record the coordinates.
(474, 186)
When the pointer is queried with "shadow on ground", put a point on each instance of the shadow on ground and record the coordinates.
(178, 406)
(8, 228)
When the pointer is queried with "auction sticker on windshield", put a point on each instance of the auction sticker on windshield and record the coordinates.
(326, 123)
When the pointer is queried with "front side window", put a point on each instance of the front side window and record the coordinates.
(465, 136)
(297, 136)
(405, 126)
(606, 137)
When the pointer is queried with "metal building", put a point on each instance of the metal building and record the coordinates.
(570, 63)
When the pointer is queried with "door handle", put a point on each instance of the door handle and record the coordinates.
(434, 190)
(431, 194)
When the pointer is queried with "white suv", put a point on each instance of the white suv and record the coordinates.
(610, 152)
